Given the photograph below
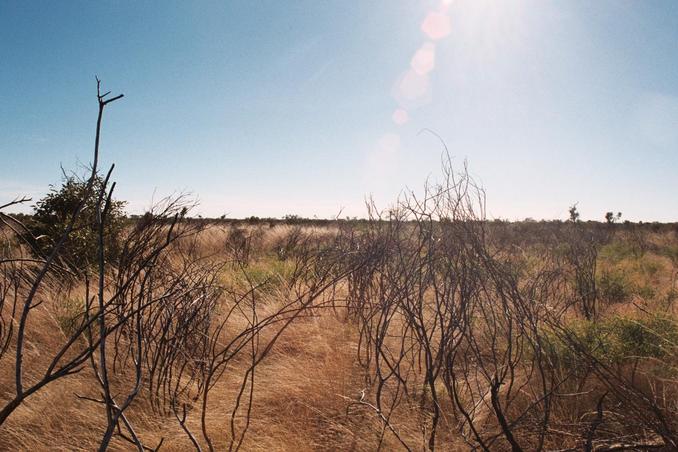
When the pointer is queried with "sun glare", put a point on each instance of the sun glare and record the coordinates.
(486, 28)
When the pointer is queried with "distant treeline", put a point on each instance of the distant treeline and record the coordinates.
(527, 224)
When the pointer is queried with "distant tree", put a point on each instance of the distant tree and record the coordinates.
(610, 217)
(53, 213)
(21, 216)
(574, 214)
(292, 218)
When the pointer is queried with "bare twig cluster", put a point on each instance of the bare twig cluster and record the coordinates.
(460, 323)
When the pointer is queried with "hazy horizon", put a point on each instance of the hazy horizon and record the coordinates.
(274, 108)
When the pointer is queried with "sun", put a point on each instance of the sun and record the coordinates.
(487, 28)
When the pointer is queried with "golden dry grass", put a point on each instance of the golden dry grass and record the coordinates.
(303, 388)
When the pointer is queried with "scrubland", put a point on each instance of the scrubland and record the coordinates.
(426, 326)
(399, 339)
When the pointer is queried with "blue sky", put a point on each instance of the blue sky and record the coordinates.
(305, 107)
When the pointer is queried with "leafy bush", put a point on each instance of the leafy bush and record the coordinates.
(53, 214)
(655, 337)
(646, 292)
(614, 341)
(613, 287)
(671, 251)
(650, 268)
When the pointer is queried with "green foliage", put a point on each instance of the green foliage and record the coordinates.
(268, 274)
(650, 268)
(646, 292)
(613, 287)
(614, 341)
(69, 315)
(53, 213)
(618, 251)
(671, 251)
(655, 337)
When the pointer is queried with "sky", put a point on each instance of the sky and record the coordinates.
(270, 108)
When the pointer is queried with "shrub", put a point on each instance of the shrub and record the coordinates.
(239, 243)
(671, 252)
(53, 214)
(613, 287)
(618, 251)
(655, 337)
(651, 268)
(614, 341)
(646, 292)
(269, 274)
(69, 315)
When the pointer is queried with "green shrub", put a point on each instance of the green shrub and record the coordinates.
(613, 287)
(269, 273)
(671, 251)
(646, 292)
(650, 268)
(53, 214)
(69, 315)
(617, 251)
(614, 341)
(655, 337)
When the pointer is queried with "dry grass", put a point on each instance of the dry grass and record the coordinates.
(304, 388)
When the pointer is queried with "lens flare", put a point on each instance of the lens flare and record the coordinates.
(424, 60)
(412, 89)
(436, 25)
(400, 116)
